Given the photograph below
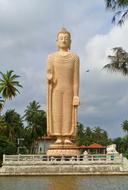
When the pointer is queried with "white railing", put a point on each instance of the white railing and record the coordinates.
(44, 158)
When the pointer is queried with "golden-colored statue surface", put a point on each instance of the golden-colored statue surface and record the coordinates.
(63, 90)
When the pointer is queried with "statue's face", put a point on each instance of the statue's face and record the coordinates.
(63, 41)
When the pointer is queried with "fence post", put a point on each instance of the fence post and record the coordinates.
(18, 157)
(122, 158)
(3, 157)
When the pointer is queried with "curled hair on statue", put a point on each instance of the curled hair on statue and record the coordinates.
(65, 31)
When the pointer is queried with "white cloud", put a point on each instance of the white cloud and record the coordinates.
(100, 46)
(105, 94)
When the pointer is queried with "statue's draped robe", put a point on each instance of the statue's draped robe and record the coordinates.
(61, 114)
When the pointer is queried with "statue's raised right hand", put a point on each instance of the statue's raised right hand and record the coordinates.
(49, 76)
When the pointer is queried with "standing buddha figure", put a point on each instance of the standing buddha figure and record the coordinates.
(63, 90)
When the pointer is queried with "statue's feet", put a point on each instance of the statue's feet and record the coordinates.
(67, 141)
(58, 141)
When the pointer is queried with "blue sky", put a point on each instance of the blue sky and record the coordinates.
(28, 31)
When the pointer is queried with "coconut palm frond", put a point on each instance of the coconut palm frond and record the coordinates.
(120, 9)
(118, 61)
(9, 84)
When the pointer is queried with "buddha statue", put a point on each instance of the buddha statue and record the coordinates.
(63, 90)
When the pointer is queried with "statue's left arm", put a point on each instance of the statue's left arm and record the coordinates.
(49, 94)
(76, 101)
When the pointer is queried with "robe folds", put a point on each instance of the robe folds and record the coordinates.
(64, 85)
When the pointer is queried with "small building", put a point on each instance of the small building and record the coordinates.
(94, 149)
(43, 144)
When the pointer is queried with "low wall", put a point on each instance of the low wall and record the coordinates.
(64, 167)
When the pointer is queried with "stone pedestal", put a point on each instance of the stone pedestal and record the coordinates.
(63, 150)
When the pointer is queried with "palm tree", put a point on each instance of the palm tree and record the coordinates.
(9, 84)
(120, 7)
(124, 126)
(119, 144)
(36, 123)
(14, 125)
(80, 135)
(119, 61)
(1, 104)
(100, 136)
(3, 125)
(88, 136)
(31, 111)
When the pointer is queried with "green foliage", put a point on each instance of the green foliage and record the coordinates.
(3, 125)
(87, 136)
(124, 126)
(126, 154)
(119, 144)
(6, 147)
(14, 125)
(1, 104)
(100, 136)
(118, 61)
(8, 87)
(116, 4)
(120, 8)
(80, 137)
(36, 124)
(9, 84)
(122, 145)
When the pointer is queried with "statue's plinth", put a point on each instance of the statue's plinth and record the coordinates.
(63, 150)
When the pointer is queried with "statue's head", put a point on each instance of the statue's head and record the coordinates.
(63, 39)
